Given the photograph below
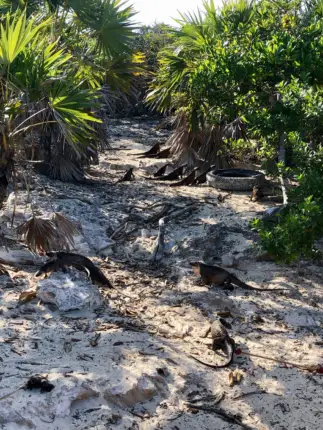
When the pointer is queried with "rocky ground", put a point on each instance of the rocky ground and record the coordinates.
(120, 358)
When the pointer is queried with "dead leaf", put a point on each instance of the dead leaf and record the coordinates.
(95, 341)
(26, 297)
(39, 234)
(235, 377)
(42, 235)
(231, 378)
(48, 297)
(67, 346)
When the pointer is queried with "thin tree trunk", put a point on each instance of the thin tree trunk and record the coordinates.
(282, 149)
(282, 159)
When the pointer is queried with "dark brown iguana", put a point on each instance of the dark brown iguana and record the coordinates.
(188, 180)
(152, 151)
(161, 171)
(128, 176)
(165, 153)
(219, 276)
(221, 340)
(175, 174)
(201, 179)
(59, 260)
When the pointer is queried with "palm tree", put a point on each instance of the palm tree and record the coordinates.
(53, 65)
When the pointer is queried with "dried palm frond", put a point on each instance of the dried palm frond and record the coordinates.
(66, 228)
(201, 148)
(39, 234)
(235, 130)
(64, 169)
(212, 148)
(43, 235)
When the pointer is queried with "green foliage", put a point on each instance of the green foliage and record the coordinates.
(258, 60)
(293, 233)
(16, 34)
(55, 56)
(150, 40)
(294, 236)
(109, 23)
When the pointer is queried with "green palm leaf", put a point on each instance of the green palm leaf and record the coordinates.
(72, 110)
(109, 22)
(16, 33)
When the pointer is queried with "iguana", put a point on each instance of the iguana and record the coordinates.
(219, 276)
(152, 151)
(201, 179)
(161, 171)
(188, 180)
(175, 174)
(59, 260)
(128, 176)
(221, 340)
(165, 153)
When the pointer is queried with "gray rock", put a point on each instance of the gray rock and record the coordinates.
(10, 416)
(69, 291)
(135, 389)
(228, 260)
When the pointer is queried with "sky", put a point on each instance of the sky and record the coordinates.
(150, 11)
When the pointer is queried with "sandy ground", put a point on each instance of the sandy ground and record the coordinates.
(125, 364)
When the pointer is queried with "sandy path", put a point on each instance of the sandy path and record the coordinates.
(138, 375)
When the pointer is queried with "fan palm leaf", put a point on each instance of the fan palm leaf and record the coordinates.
(16, 33)
(71, 109)
(109, 22)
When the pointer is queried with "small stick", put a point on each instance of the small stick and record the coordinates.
(221, 413)
(310, 368)
(252, 393)
(12, 392)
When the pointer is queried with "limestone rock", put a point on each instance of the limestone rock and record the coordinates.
(68, 395)
(135, 389)
(8, 415)
(228, 260)
(69, 291)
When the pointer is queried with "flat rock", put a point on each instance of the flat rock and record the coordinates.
(228, 260)
(135, 389)
(69, 291)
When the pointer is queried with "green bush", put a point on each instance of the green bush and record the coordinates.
(293, 233)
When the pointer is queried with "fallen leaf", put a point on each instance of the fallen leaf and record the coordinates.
(231, 378)
(235, 377)
(95, 341)
(26, 297)
(67, 346)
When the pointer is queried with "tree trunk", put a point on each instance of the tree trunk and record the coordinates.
(282, 159)
(282, 149)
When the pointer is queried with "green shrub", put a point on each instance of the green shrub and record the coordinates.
(292, 234)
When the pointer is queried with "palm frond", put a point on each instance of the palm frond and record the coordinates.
(15, 34)
(39, 234)
(43, 235)
(109, 21)
(71, 108)
(67, 229)
(62, 168)
(204, 146)
(38, 66)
